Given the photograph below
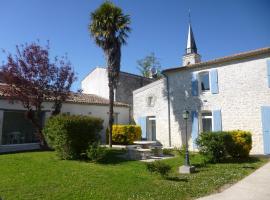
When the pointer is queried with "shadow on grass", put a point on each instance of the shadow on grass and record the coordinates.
(176, 179)
(241, 160)
(114, 157)
(200, 165)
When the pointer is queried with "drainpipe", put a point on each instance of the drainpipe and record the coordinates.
(169, 107)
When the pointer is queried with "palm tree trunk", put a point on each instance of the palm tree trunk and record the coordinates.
(111, 99)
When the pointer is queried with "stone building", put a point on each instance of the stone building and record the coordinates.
(227, 93)
(96, 82)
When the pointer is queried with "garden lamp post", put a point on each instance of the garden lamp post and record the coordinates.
(185, 117)
(186, 168)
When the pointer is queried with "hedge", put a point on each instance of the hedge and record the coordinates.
(216, 146)
(212, 146)
(125, 134)
(70, 136)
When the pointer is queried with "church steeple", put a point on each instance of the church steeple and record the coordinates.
(191, 56)
(191, 44)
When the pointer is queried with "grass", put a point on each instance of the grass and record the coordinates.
(41, 175)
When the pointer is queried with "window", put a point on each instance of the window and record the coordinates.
(150, 101)
(204, 81)
(206, 121)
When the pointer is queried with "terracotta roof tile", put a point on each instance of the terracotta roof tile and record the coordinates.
(91, 99)
(80, 98)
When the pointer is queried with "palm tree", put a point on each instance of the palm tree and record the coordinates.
(109, 28)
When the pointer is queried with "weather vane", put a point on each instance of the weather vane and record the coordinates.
(189, 17)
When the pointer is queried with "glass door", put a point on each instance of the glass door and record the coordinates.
(151, 128)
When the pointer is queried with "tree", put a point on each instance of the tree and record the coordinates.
(109, 28)
(31, 78)
(147, 64)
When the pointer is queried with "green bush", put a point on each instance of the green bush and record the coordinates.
(169, 152)
(95, 152)
(158, 167)
(125, 134)
(241, 144)
(216, 146)
(182, 151)
(70, 136)
(212, 146)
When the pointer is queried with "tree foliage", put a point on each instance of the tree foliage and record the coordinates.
(109, 28)
(32, 78)
(148, 63)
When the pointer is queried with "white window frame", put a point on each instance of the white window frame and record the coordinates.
(200, 82)
(205, 117)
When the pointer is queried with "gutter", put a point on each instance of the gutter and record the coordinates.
(169, 107)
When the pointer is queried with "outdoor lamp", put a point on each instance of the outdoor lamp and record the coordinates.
(185, 114)
(186, 168)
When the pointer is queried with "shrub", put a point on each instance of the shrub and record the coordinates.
(71, 135)
(212, 145)
(182, 151)
(158, 167)
(95, 152)
(218, 145)
(168, 151)
(125, 134)
(241, 144)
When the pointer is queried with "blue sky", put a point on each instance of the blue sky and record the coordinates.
(221, 28)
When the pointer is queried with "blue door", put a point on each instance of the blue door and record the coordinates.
(266, 128)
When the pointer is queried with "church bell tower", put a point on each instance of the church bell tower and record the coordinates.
(191, 56)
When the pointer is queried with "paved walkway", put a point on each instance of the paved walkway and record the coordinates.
(256, 186)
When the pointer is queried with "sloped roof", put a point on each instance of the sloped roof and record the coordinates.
(78, 98)
(233, 57)
(82, 98)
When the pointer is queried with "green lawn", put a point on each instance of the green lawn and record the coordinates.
(41, 175)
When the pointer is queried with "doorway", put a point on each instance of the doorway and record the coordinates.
(151, 128)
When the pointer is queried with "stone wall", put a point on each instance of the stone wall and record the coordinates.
(157, 90)
(96, 82)
(243, 89)
(127, 84)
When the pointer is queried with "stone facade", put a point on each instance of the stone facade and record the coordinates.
(96, 82)
(243, 89)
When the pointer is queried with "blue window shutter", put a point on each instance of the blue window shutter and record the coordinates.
(142, 123)
(217, 121)
(194, 84)
(268, 72)
(214, 81)
(195, 128)
(266, 128)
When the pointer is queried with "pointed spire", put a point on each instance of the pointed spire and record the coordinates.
(191, 56)
(191, 44)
